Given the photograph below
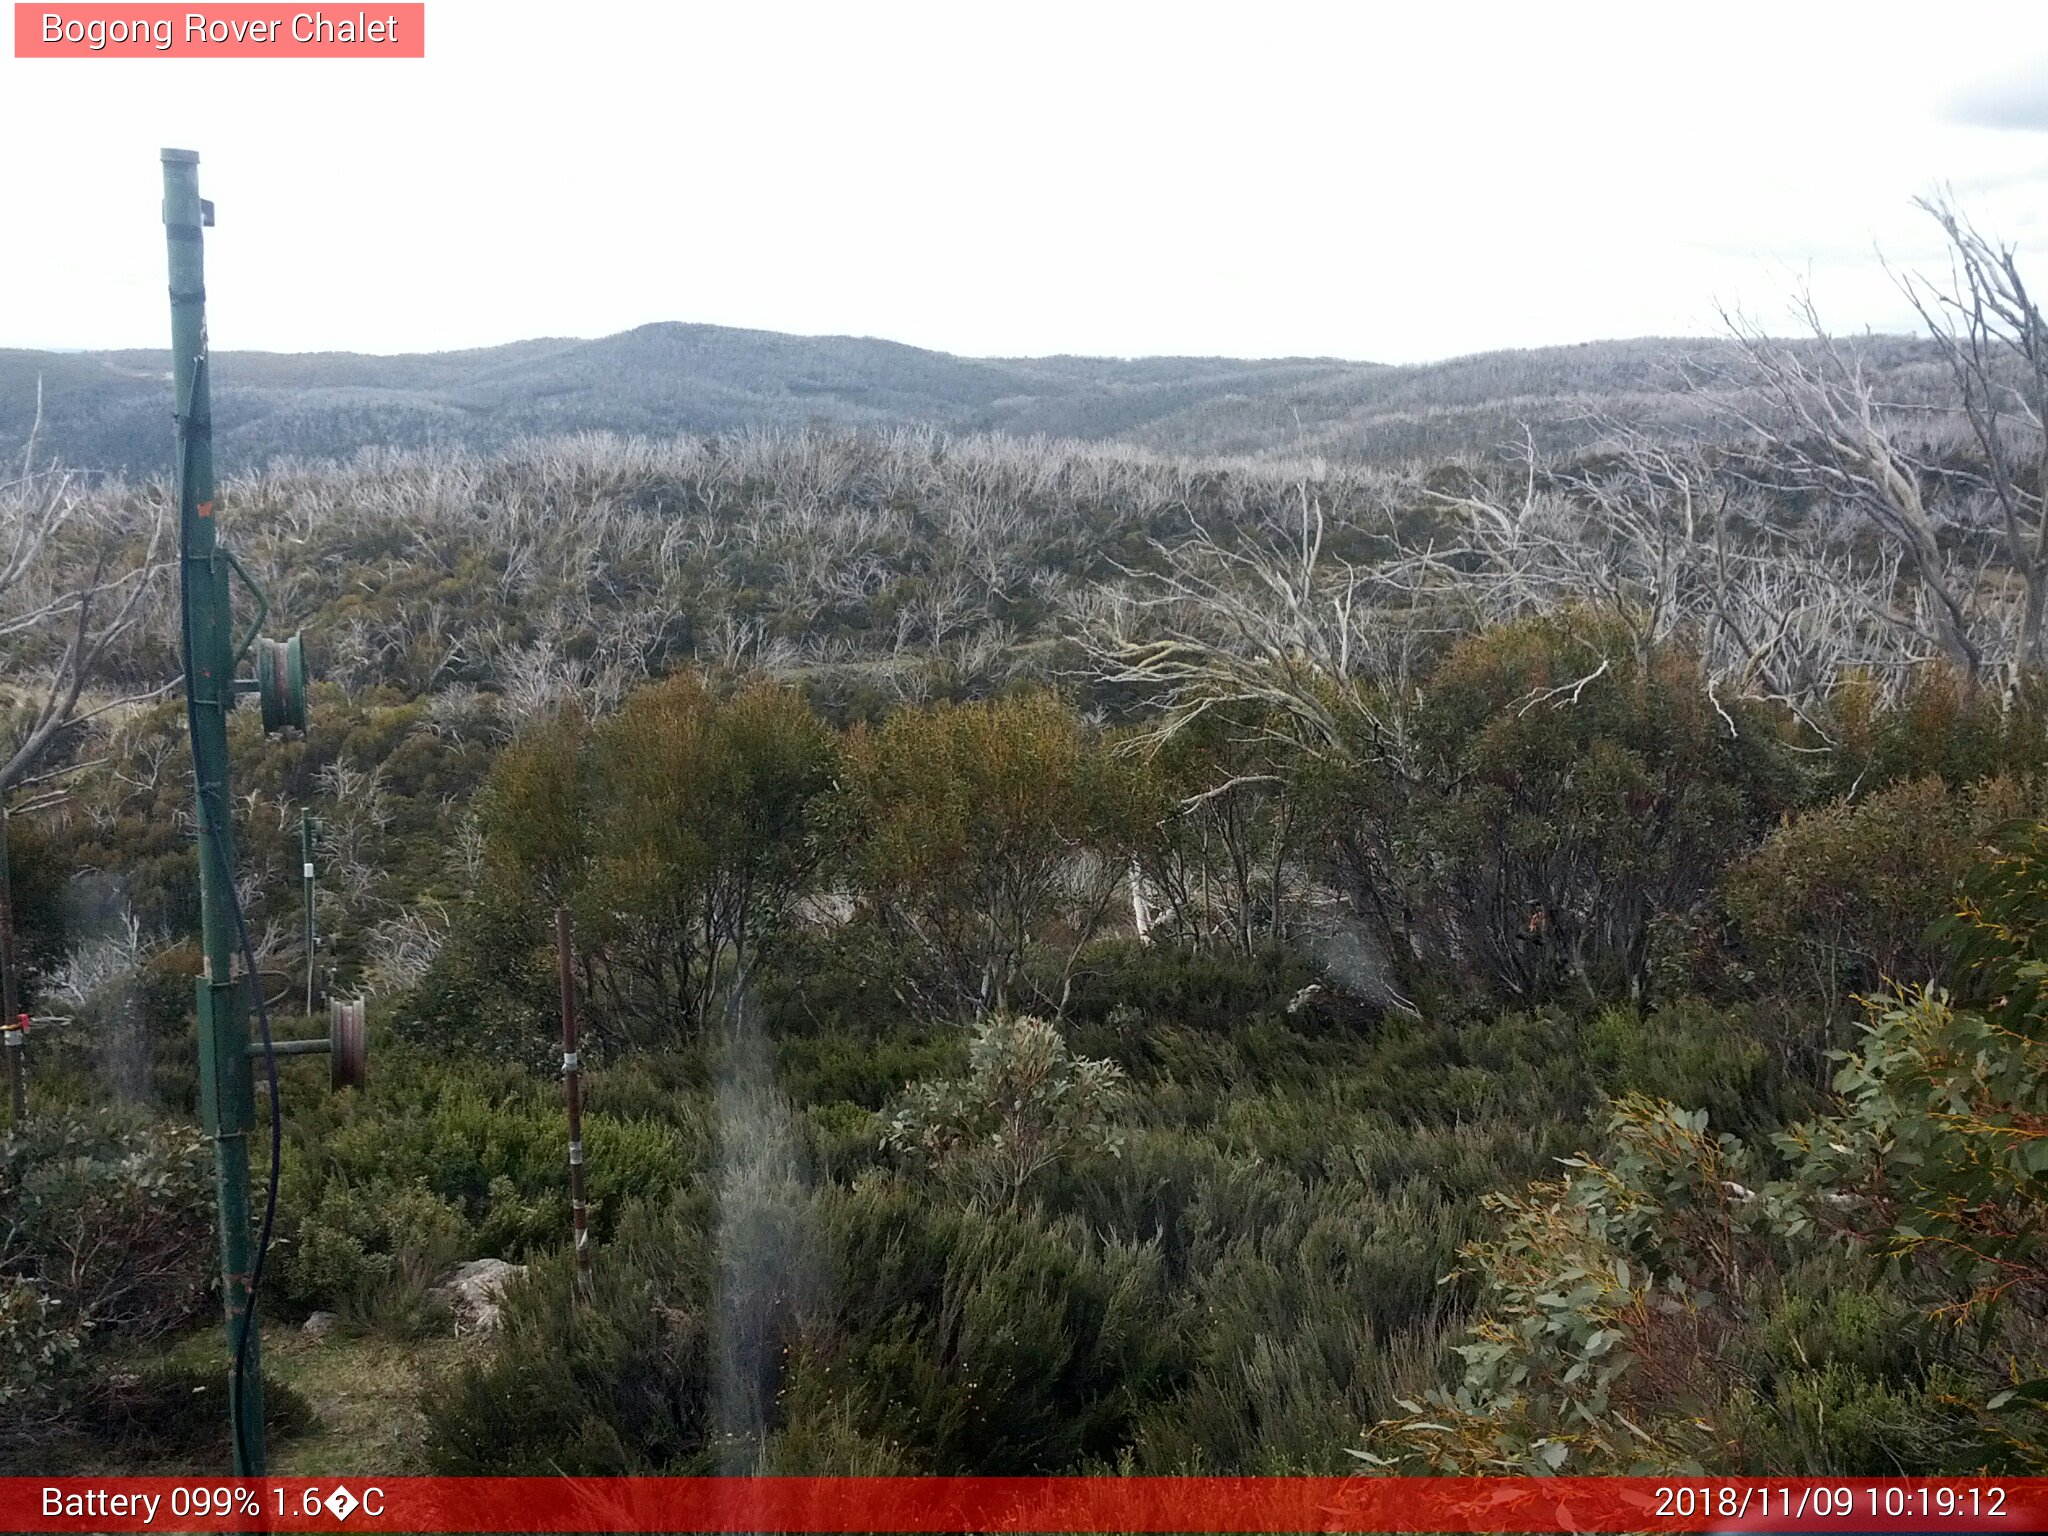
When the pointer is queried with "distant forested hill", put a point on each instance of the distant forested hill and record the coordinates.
(110, 410)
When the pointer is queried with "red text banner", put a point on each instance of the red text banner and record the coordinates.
(228, 31)
(971, 1504)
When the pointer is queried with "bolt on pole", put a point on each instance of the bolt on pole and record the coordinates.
(226, 1096)
(572, 1083)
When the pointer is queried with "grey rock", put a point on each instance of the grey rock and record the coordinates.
(474, 1292)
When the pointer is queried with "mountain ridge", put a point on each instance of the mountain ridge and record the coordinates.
(108, 410)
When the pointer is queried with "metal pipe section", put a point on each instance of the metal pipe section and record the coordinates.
(226, 1099)
(316, 1047)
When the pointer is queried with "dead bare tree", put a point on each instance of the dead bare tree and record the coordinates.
(1266, 623)
(1827, 432)
(1673, 547)
(403, 946)
(72, 585)
(74, 580)
(77, 575)
(1992, 335)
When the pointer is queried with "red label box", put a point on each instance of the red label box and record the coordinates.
(228, 31)
(823, 1505)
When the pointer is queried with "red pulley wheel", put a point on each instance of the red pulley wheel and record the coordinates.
(348, 1048)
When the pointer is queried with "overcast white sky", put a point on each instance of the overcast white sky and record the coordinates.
(1392, 182)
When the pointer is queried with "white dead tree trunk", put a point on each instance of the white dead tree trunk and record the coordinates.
(76, 577)
(1991, 333)
(1271, 625)
(1660, 540)
(1828, 432)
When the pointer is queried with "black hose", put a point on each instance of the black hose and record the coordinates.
(212, 826)
(276, 1129)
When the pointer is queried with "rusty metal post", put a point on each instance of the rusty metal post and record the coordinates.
(306, 874)
(572, 1084)
(10, 1023)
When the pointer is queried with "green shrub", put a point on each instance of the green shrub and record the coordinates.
(1526, 1065)
(1222, 827)
(107, 1242)
(1840, 1374)
(1025, 1105)
(111, 1216)
(40, 1363)
(990, 1342)
(682, 831)
(822, 1432)
(936, 1340)
(1943, 726)
(490, 993)
(989, 830)
(863, 1070)
(1692, 1051)
(620, 1386)
(1842, 900)
(1561, 786)
(436, 1163)
(1663, 1309)
(1937, 1151)
(1306, 1315)
(1610, 1294)
(1210, 1016)
(40, 859)
(372, 1254)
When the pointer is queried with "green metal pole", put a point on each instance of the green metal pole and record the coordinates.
(226, 1098)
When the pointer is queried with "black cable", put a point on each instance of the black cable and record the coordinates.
(276, 1123)
(234, 902)
(212, 825)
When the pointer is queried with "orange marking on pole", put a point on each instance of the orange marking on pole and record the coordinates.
(206, 509)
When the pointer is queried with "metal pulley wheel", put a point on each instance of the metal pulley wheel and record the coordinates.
(348, 1047)
(281, 684)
